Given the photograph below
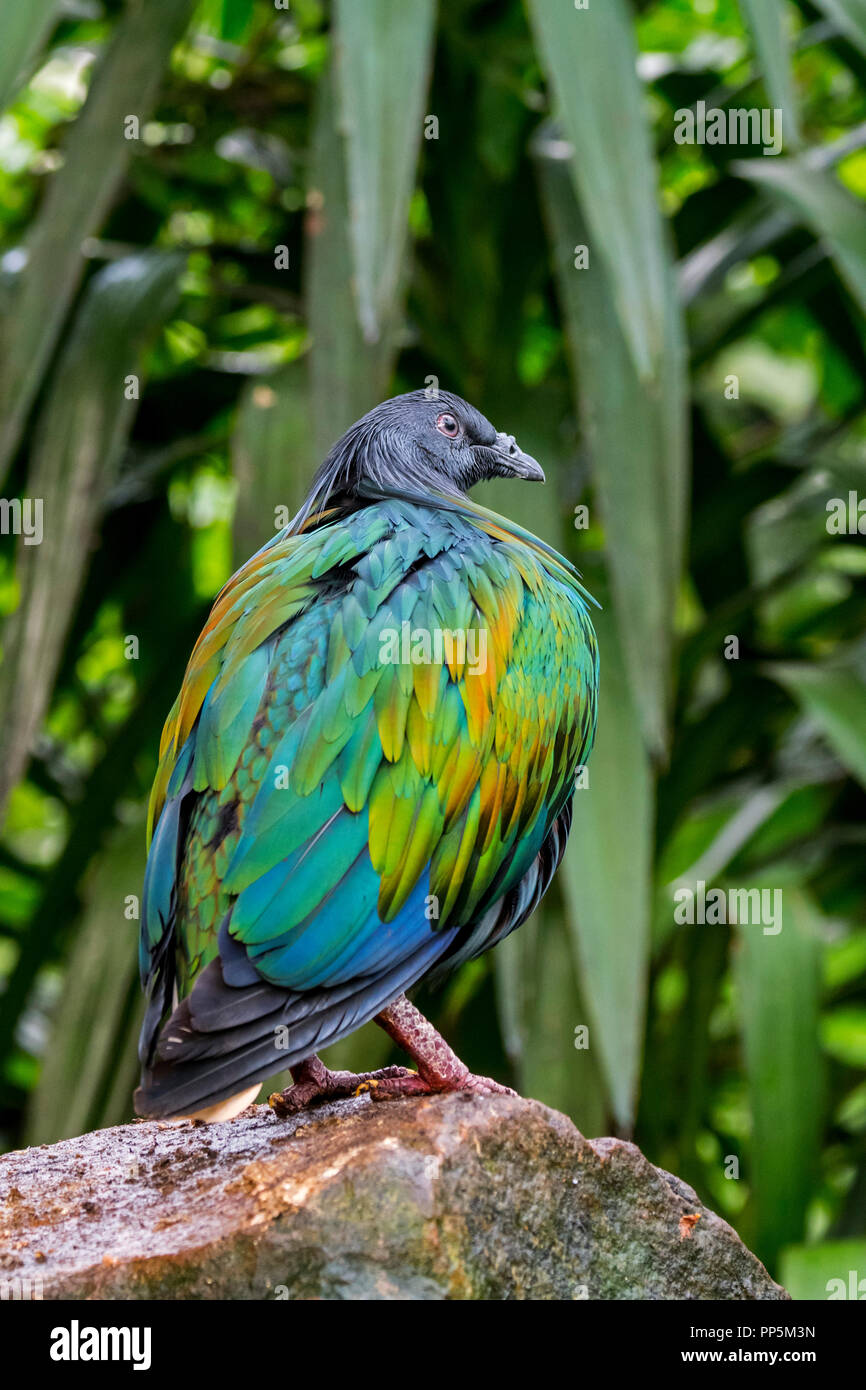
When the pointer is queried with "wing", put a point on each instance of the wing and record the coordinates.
(378, 731)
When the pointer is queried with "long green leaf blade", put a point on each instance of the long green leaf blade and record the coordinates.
(827, 208)
(542, 1015)
(767, 21)
(835, 698)
(78, 441)
(779, 985)
(90, 1066)
(384, 52)
(589, 56)
(23, 29)
(273, 455)
(348, 375)
(95, 158)
(606, 877)
(849, 16)
(635, 434)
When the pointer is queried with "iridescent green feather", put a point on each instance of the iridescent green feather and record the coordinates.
(333, 785)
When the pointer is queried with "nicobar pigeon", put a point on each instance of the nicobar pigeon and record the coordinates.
(367, 777)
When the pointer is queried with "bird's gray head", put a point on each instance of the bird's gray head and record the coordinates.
(417, 444)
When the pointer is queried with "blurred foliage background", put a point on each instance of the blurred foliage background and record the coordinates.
(229, 228)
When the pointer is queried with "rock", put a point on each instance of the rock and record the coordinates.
(447, 1197)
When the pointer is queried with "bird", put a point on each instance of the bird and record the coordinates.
(367, 777)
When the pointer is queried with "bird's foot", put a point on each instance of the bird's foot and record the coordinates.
(415, 1084)
(314, 1084)
(440, 1070)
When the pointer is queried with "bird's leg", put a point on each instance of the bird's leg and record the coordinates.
(314, 1084)
(439, 1069)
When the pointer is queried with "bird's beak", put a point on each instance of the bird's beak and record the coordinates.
(513, 462)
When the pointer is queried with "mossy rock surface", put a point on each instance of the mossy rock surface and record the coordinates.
(461, 1197)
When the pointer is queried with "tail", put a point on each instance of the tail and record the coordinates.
(225, 1038)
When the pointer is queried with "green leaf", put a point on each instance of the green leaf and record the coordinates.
(849, 16)
(824, 1271)
(23, 29)
(169, 626)
(778, 978)
(825, 205)
(78, 441)
(540, 1009)
(95, 158)
(91, 1067)
(384, 53)
(835, 698)
(635, 432)
(231, 20)
(606, 876)
(843, 1032)
(348, 375)
(273, 455)
(767, 21)
(590, 58)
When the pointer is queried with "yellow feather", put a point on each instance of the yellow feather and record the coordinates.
(460, 854)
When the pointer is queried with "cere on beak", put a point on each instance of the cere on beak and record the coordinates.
(513, 462)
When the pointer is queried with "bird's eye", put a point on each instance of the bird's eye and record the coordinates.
(447, 425)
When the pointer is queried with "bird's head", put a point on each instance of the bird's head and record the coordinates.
(417, 444)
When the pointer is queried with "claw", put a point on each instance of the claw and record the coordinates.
(314, 1084)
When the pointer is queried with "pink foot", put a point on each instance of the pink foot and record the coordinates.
(394, 1088)
(315, 1084)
